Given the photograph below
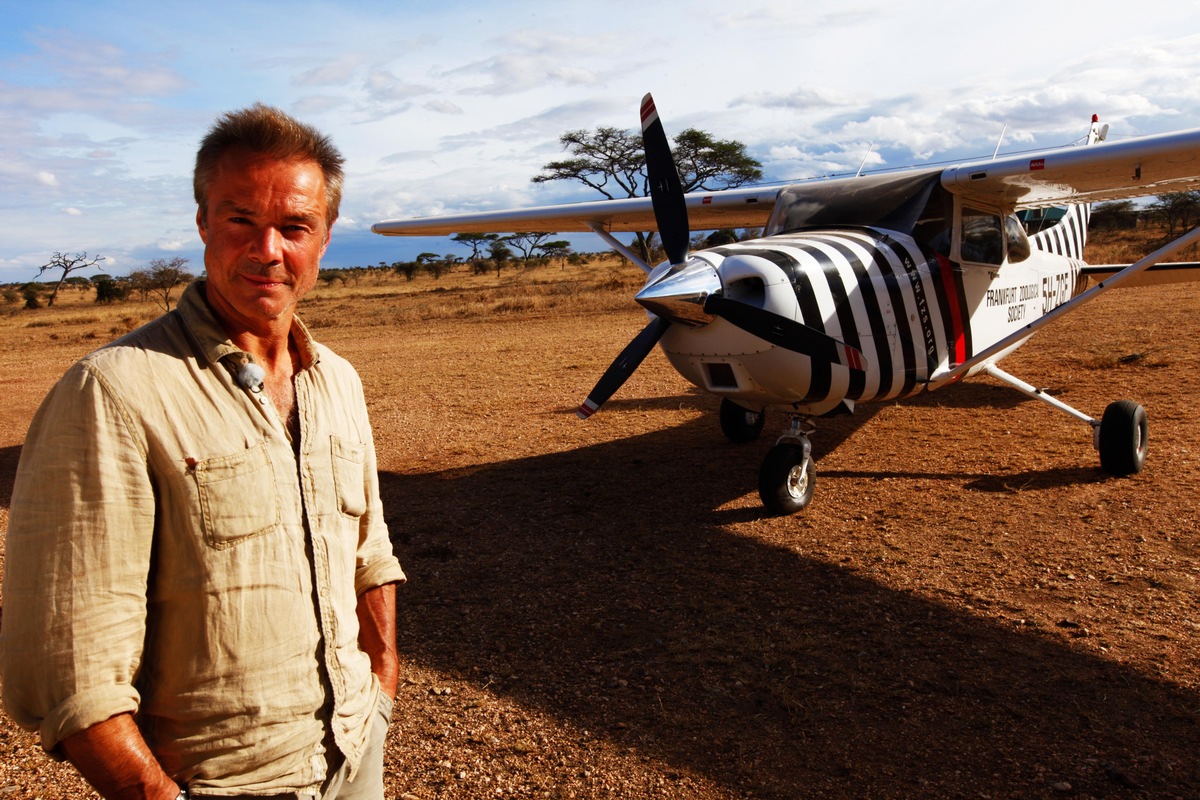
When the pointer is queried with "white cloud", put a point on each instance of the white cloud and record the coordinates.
(443, 107)
(47, 178)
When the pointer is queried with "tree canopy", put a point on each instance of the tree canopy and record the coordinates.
(613, 162)
(160, 278)
(67, 264)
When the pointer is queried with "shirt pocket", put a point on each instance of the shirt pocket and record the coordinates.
(238, 499)
(349, 465)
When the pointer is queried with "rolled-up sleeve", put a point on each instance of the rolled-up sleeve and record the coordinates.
(78, 552)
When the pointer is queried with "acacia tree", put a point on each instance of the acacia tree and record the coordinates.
(613, 162)
(558, 249)
(475, 241)
(1176, 209)
(500, 253)
(68, 264)
(164, 275)
(526, 243)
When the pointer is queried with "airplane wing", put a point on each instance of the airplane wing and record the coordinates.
(1136, 167)
(1147, 165)
(730, 208)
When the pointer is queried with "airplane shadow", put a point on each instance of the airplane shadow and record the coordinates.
(773, 674)
(1009, 483)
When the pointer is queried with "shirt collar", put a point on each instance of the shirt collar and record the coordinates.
(206, 330)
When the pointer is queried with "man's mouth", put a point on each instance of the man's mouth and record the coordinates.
(263, 281)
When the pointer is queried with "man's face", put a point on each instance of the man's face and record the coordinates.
(264, 233)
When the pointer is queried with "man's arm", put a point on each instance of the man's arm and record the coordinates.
(377, 634)
(114, 758)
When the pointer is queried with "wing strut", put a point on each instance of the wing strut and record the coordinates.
(946, 376)
(619, 246)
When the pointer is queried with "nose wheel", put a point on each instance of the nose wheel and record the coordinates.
(788, 474)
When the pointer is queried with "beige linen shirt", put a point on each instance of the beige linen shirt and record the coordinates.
(171, 555)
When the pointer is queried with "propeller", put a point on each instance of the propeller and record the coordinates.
(670, 214)
(785, 332)
(669, 301)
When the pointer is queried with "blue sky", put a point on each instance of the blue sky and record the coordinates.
(455, 105)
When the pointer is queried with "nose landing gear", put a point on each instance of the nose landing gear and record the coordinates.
(788, 474)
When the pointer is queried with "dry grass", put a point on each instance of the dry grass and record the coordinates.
(1127, 246)
(461, 295)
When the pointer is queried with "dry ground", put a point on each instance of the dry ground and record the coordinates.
(601, 609)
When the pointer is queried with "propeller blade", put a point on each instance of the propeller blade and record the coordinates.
(670, 213)
(786, 333)
(620, 370)
(666, 192)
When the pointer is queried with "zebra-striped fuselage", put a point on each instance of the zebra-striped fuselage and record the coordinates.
(910, 311)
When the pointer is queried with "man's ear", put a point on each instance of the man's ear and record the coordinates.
(201, 226)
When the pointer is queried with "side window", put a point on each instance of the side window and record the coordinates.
(982, 237)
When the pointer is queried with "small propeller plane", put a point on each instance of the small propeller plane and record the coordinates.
(868, 288)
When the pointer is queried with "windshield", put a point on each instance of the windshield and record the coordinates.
(895, 202)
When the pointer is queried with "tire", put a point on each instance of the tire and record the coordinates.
(740, 425)
(1123, 435)
(787, 479)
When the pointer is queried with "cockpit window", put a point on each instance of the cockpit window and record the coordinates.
(982, 240)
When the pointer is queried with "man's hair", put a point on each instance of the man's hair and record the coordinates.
(267, 130)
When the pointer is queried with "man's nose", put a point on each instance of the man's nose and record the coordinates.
(267, 246)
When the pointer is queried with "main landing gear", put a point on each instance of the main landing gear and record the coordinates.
(1120, 435)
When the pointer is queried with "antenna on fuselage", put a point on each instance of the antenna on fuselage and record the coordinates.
(864, 161)
(999, 141)
(1098, 132)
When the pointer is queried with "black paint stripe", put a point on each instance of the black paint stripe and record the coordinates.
(928, 351)
(841, 307)
(897, 385)
(821, 374)
(942, 305)
(880, 357)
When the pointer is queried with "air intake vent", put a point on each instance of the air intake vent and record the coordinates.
(720, 375)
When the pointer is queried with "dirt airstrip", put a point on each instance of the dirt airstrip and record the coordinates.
(601, 609)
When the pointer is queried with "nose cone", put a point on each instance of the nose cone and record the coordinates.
(680, 294)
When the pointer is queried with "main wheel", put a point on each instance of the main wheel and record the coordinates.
(740, 424)
(787, 479)
(1123, 434)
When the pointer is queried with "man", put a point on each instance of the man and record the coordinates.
(199, 593)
